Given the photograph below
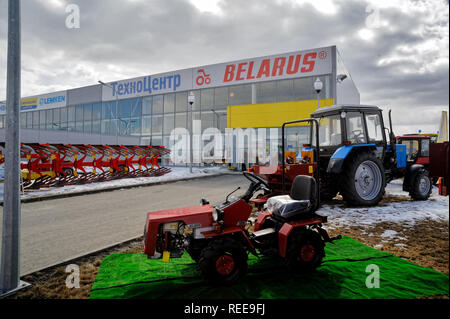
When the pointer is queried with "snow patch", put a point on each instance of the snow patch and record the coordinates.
(406, 213)
(389, 234)
(177, 173)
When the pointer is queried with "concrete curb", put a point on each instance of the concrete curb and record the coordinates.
(86, 255)
(113, 188)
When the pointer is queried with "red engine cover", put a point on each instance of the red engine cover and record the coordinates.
(201, 215)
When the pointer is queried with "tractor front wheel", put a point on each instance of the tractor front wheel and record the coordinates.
(363, 180)
(422, 186)
(305, 251)
(223, 262)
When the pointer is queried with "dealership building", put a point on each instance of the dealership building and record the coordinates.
(260, 92)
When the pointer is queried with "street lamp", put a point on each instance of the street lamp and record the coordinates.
(117, 106)
(191, 100)
(318, 86)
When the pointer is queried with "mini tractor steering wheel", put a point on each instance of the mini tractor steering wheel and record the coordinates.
(255, 184)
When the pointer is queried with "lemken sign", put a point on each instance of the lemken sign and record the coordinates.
(40, 102)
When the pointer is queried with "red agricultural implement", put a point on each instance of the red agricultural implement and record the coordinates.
(53, 165)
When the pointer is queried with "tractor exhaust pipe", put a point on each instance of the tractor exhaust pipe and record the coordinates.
(392, 137)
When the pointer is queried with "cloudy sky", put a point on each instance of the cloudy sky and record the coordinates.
(396, 50)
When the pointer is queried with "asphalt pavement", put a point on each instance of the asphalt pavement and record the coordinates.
(60, 229)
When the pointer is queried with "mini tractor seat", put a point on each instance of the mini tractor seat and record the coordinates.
(299, 204)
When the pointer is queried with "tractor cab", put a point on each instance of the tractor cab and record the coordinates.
(341, 125)
(417, 148)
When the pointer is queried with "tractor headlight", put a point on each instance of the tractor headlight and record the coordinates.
(217, 214)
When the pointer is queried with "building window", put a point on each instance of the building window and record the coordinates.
(181, 100)
(29, 120)
(109, 110)
(169, 123)
(71, 126)
(96, 127)
(79, 113)
(147, 105)
(23, 120)
(240, 94)
(207, 120)
(220, 98)
(109, 127)
(158, 104)
(181, 120)
(63, 117)
(266, 92)
(304, 89)
(146, 125)
(48, 119)
(207, 99)
(135, 126)
(87, 112)
(156, 140)
(285, 90)
(42, 123)
(71, 114)
(56, 119)
(157, 124)
(35, 120)
(169, 103)
(96, 111)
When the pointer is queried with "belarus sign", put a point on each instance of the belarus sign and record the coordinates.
(283, 66)
(275, 67)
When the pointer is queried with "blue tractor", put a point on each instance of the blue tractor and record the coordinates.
(357, 160)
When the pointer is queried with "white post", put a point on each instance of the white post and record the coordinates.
(10, 258)
(191, 100)
(318, 86)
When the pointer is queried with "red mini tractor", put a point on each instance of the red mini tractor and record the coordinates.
(218, 237)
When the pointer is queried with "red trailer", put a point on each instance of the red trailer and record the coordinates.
(439, 153)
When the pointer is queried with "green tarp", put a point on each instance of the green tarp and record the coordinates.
(342, 275)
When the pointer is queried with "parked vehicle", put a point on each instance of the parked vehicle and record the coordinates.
(216, 237)
(356, 158)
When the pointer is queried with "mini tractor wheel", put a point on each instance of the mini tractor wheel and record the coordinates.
(305, 251)
(422, 186)
(363, 180)
(223, 261)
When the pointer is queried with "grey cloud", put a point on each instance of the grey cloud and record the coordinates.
(119, 39)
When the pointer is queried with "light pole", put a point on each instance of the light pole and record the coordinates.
(191, 100)
(117, 108)
(318, 86)
(10, 251)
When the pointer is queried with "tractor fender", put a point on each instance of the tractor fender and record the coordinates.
(286, 230)
(338, 158)
(410, 174)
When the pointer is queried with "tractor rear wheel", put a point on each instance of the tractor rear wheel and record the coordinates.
(363, 180)
(422, 186)
(223, 261)
(305, 251)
